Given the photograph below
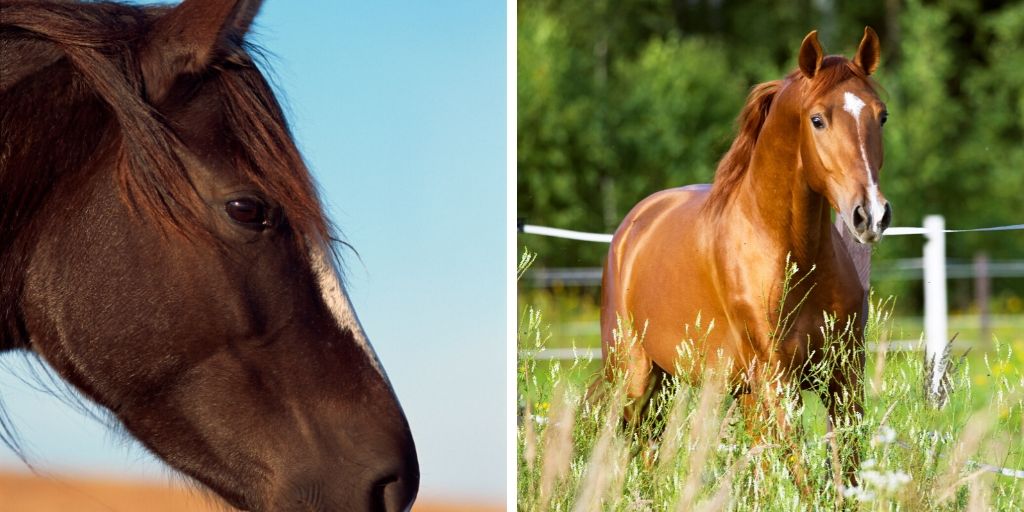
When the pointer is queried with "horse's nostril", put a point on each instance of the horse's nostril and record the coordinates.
(394, 494)
(886, 217)
(860, 218)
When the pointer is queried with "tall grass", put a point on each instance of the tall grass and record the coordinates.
(693, 449)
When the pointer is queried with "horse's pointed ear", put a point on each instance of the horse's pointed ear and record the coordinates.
(810, 55)
(186, 38)
(869, 51)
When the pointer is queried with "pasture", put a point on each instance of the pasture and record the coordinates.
(574, 456)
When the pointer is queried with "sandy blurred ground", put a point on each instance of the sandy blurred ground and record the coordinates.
(21, 492)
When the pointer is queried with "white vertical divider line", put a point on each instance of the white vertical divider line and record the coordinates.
(936, 331)
(512, 253)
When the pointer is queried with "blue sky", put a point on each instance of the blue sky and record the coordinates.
(399, 109)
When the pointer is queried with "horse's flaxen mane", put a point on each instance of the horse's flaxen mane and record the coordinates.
(733, 166)
(99, 43)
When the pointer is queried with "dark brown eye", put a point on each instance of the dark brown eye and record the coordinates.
(249, 212)
(817, 121)
(884, 118)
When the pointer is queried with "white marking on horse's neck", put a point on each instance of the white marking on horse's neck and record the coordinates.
(853, 105)
(337, 301)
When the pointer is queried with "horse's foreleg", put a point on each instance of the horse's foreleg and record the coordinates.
(845, 403)
(637, 373)
(769, 409)
(626, 364)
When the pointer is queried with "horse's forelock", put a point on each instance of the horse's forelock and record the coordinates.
(835, 69)
(265, 152)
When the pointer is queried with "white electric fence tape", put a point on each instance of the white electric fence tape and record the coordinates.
(531, 229)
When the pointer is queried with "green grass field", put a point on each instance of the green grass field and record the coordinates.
(696, 452)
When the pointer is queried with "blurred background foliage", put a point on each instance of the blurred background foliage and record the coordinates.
(619, 99)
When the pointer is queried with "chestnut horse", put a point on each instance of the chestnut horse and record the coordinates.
(720, 253)
(162, 247)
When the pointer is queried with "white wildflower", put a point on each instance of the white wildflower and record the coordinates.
(885, 435)
(874, 482)
(858, 493)
(885, 481)
(870, 476)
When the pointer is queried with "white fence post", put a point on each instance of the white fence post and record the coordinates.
(935, 309)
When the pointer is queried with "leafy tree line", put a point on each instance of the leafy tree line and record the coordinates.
(617, 100)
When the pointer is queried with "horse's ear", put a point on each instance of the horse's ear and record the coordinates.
(810, 55)
(186, 38)
(868, 52)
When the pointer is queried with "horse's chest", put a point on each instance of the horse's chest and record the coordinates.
(771, 311)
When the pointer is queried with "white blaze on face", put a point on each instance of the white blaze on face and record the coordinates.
(853, 105)
(338, 303)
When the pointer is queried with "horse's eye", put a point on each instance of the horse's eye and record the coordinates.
(817, 121)
(884, 117)
(249, 212)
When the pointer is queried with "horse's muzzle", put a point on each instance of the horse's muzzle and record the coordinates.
(869, 223)
(394, 491)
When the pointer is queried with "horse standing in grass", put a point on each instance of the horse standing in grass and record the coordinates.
(162, 247)
(807, 144)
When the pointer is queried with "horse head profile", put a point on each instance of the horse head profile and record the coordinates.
(163, 249)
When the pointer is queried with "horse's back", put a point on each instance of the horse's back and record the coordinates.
(651, 215)
(658, 245)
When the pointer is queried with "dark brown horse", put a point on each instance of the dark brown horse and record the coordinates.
(162, 247)
(808, 144)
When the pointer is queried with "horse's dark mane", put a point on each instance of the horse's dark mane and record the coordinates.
(733, 166)
(99, 43)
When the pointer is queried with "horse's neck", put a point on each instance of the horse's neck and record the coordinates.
(794, 217)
